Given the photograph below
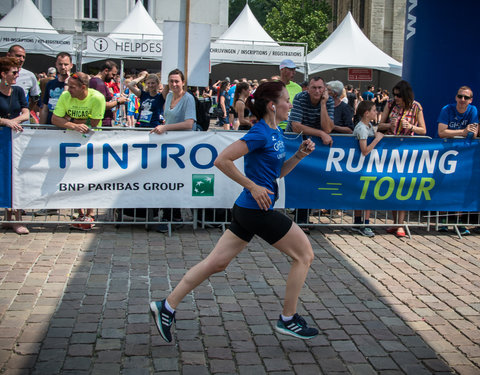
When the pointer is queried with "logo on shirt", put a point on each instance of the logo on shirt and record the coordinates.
(202, 185)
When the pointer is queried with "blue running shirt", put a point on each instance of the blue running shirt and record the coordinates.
(263, 163)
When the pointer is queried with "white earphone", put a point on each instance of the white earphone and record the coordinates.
(273, 107)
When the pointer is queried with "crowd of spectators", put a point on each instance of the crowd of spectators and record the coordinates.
(81, 102)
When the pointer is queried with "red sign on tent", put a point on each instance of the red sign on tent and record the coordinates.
(359, 74)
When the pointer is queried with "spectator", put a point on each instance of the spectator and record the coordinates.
(287, 72)
(108, 70)
(55, 87)
(402, 116)
(459, 119)
(80, 108)
(151, 101)
(368, 95)
(180, 114)
(304, 85)
(351, 97)
(264, 158)
(312, 114)
(367, 112)
(343, 114)
(380, 101)
(13, 111)
(42, 82)
(26, 79)
(223, 101)
(241, 95)
(231, 94)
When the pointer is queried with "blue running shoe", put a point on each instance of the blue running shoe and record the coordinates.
(163, 319)
(296, 327)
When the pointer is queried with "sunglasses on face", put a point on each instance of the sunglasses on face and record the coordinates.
(397, 94)
(464, 97)
(15, 72)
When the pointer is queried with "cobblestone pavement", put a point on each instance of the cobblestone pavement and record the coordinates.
(77, 303)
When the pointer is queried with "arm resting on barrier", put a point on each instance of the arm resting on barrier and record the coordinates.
(14, 123)
(307, 130)
(74, 124)
(445, 132)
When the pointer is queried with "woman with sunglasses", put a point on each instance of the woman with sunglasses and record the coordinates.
(264, 154)
(402, 116)
(13, 111)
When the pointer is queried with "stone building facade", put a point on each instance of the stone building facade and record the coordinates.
(104, 15)
(382, 21)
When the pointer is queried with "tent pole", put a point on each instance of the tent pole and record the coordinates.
(187, 30)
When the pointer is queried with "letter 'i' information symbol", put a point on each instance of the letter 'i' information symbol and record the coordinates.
(202, 185)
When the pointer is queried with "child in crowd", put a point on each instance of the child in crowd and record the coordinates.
(367, 112)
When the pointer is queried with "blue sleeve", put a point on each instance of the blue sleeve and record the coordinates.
(443, 116)
(21, 98)
(255, 138)
(473, 115)
(331, 107)
(190, 112)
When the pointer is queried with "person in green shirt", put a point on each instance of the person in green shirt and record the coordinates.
(80, 108)
(287, 72)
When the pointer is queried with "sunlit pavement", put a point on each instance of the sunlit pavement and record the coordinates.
(77, 303)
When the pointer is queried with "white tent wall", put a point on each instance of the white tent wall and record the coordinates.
(249, 71)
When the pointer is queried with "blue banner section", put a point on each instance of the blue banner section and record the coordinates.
(5, 167)
(399, 174)
(440, 38)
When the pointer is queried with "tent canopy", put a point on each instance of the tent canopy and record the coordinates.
(348, 47)
(246, 29)
(138, 23)
(26, 17)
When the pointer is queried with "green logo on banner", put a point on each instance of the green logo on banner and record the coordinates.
(202, 185)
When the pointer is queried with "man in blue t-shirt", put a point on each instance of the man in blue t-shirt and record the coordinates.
(55, 87)
(457, 120)
(368, 95)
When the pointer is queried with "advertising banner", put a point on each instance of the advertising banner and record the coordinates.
(37, 42)
(115, 169)
(5, 167)
(225, 52)
(135, 48)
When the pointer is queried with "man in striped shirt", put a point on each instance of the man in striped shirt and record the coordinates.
(312, 112)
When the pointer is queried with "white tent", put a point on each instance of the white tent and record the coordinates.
(245, 41)
(348, 47)
(137, 23)
(25, 25)
(136, 37)
(25, 16)
(246, 29)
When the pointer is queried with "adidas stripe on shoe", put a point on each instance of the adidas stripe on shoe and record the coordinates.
(296, 327)
(163, 319)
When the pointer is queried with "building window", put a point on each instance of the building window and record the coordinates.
(90, 9)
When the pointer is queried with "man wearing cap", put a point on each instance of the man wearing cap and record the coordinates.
(287, 72)
(55, 87)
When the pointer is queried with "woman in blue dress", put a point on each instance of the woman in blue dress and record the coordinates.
(264, 161)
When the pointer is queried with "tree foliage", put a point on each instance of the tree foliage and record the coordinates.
(301, 21)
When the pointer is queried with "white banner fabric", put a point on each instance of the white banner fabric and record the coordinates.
(135, 48)
(120, 169)
(224, 52)
(37, 42)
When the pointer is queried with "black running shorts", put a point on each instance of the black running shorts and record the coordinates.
(269, 225)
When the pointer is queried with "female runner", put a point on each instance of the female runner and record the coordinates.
(264, 157)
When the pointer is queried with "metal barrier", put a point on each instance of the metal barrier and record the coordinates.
(208, 217)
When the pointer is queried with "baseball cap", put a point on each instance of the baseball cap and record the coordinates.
(52, 70)
(287, 63)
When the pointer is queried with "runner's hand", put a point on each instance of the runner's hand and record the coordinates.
(260, 194)
(306, 148)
